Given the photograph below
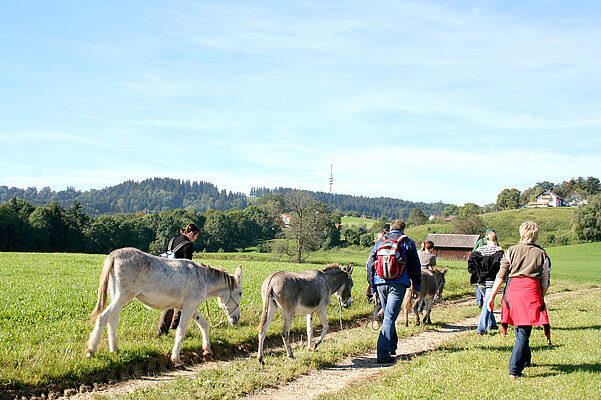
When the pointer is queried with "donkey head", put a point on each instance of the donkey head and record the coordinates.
(344, 293)
(230, 302)
(440, 281)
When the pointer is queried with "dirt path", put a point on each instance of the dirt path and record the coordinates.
(315, 383)
(364, 367)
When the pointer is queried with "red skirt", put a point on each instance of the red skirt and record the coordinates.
(523, 304)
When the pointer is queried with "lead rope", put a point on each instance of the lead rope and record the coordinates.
(209, 317)
(371, 320)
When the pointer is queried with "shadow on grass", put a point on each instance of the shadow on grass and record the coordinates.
(576, 328)
(569, 368)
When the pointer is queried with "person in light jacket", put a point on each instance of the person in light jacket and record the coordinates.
(526, 269)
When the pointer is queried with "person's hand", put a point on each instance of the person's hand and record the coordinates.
(416, 294)
(491, 304)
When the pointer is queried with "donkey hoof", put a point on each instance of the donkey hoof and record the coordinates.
(261, 360)
(208, 356)
(177, 362)
(89, 354)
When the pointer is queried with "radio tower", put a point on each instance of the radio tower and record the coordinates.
(331, 174)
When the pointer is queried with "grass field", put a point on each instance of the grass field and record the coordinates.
(46, 300)
(475, 367)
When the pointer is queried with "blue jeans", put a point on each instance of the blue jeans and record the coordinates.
(520, 355)
(479, 296)
(487, 318)
(391, 296)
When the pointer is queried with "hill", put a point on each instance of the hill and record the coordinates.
(555, 226)
(163, 194)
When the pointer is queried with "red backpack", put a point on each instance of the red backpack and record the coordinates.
(390, 262)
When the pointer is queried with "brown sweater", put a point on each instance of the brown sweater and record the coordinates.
(526, 260)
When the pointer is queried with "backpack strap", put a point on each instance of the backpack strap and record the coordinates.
(170, 245)
(179, 246)
(400, 239)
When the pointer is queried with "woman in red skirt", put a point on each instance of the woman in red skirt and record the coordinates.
(526, 269)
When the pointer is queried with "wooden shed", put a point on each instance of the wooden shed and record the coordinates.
(452, 247)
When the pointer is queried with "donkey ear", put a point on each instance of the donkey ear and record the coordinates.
(446, 269)
(238, 273)
(349, 268)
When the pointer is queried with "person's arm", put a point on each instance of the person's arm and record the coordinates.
(369, 266)
(495, 288)
(414, 267)
(545, 281)
(188, 251)
(501, 276)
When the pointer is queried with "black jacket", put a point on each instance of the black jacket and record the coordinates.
(484, 268)
(186, 251)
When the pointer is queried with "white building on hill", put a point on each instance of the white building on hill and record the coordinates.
(548, 199)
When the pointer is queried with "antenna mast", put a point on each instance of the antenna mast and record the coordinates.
(331, 174)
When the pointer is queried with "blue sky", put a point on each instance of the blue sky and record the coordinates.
(429, 101)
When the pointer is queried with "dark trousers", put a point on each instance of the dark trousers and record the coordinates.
(169, 320)
(520, 355)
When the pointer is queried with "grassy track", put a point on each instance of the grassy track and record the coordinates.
(475, 367)
(46, 299)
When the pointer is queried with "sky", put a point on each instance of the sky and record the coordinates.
(429, 101)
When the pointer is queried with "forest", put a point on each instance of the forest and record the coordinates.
(163, 194)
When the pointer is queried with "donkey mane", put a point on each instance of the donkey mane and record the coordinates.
(331, 266)
(219, 272)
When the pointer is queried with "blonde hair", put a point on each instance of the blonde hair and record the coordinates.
(379, 236)
(528, 232)
(492, 237)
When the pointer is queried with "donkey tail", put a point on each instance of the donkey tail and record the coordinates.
(102, 287)
(266, 297)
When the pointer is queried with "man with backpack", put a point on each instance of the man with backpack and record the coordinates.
(393, 266)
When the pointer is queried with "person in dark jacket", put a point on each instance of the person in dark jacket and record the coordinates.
(483, 266)
(183, 249)
(481, 242)
(392, 291)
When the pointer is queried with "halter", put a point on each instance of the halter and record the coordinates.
(347, 277)
(224, 308)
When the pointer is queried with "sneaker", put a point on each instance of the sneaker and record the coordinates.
(480, 333)
(389, 360)
(514, 377)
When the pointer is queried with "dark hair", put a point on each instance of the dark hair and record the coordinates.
(429, 245)
(190, 228)
(397, 225)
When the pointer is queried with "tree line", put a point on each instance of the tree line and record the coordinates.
(373, 207)
(149, 196)
(52, 228)
(162, 194)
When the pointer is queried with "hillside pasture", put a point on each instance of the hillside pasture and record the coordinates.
(555, 225)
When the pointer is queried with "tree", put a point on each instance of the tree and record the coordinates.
(450, 210)
(309, 220)
(468, 210)
(15, 230)
(417, 217)
(508, 199)
(472, 225)
(587, 220)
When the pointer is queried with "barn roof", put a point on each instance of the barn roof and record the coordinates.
(453, 241)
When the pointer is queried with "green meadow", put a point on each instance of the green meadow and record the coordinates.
(46, 299)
